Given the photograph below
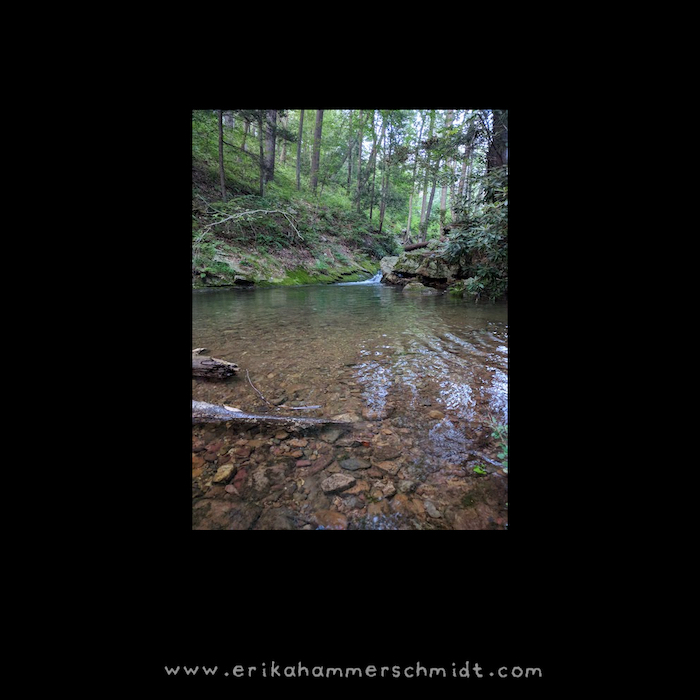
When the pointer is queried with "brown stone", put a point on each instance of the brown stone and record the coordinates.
(330, 519)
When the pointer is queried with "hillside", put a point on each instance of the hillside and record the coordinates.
(285, 237)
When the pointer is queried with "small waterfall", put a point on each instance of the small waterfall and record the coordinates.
(374, 280)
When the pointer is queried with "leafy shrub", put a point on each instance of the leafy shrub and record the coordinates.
(481, 244)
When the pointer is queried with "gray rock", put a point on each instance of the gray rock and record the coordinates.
(414, 287)
(407, 486)
(337, 482)
(347, 418)
(387, 267)
(353, 464)
(431, 510)
(277, 519)
(331, 434)
(419, 287)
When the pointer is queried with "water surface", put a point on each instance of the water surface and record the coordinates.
(434, 364)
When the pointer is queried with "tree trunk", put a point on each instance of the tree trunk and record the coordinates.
(246, 129)
(443, 194)
(222, 177)
(407, 237)
(261, 142)
(463, 176)
(203, 412)
(374, 164)
(498, 148)
(415, 246)
(211, 367)
(359, 162)
(427, 170)
(285, 121)
(350, 151)
(385, 178)
(270, 140)
(315, 160)
(301, 126)
(407, 234)
(424, 230)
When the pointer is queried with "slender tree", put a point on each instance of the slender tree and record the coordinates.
(349, 151)
(301, 126)
(359, 162)
(261, 142)
(443, 194)
(498, 146)
(373, 158)
(270, 139)
(315, 160)
(427, 168)
(424, 226)
(222, 178)
(407, 236)
(385, 175)
(285, 122)
(246, 129)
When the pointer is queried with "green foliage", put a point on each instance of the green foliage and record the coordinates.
(331, 222)
(481, 244)
(500, 433)
(321, 264)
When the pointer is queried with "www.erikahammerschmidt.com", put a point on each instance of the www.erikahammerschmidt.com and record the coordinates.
(466, 670)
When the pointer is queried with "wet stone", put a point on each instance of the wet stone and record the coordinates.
(330, 520)
(389, 467)
(353, 464)
(223, 473)
(431, 510)
(337, 482)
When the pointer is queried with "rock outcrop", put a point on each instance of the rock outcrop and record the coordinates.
(424, 265)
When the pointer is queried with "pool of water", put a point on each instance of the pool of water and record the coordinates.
(433, 368)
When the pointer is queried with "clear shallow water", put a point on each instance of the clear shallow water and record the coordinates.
(366, 348)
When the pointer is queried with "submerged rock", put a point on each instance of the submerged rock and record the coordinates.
(330, 520)
(337, 482)
(420, 288)
(353, 464)
(223, 473)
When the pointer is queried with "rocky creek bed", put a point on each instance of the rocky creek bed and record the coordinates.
(418, 379)
(372, 475)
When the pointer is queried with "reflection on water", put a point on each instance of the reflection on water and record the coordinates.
(361, 348)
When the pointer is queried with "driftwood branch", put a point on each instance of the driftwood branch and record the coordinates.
(211, 367)
(203, 412)
(271, 405)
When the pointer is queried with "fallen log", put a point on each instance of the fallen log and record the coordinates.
(211, 367)
(203, 412)
(415, 246)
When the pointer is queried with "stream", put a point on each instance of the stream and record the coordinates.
(420, 376)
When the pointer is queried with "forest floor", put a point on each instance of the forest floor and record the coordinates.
(284, 237)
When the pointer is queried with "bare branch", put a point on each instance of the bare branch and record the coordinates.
(291, 408)
(255, 211)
